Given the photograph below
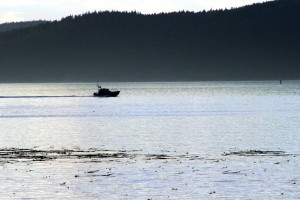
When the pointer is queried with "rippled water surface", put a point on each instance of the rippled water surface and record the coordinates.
(190, 140)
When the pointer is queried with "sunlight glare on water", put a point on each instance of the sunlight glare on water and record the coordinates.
(182, 120)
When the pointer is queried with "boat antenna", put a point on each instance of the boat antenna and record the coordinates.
(98, 85)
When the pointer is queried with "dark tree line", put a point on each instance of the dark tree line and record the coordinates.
(17, 25)
(256, 42)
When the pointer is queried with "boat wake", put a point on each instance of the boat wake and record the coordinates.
(30, 97)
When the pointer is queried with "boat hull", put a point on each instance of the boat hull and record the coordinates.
(110, 94)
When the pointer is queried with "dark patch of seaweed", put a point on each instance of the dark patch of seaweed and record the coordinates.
(256, 153)
(94, 155)
(98, 155)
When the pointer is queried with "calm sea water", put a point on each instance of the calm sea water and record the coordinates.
(202, 119)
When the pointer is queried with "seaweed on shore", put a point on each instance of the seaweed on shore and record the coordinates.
(99, 155)
(256, 153)
(43, 155)
(92, 155)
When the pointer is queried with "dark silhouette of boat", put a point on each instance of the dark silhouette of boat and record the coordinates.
(104, 92)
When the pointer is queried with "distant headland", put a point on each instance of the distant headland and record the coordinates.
(256, 42)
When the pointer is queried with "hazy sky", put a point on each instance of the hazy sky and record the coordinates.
(22, 10)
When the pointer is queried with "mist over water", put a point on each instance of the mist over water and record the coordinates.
(192, 124)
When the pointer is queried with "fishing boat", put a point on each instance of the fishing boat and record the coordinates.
(104, 92)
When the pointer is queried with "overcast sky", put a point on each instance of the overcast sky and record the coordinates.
(23, 10)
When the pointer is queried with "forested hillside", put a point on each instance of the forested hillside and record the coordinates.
(257, 42)
(17, 25)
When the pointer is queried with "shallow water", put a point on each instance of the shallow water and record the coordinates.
(174, 136)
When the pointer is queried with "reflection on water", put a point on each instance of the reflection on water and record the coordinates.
(183, 141)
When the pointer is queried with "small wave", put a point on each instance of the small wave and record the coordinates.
(32, 97)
